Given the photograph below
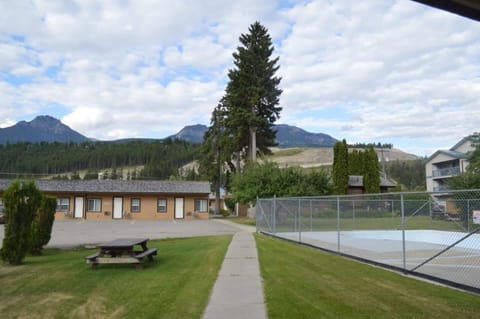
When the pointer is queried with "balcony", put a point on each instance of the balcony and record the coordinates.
(441, 188)
(450, 171)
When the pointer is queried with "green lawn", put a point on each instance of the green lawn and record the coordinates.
(60, 284)
(301, 282)
(243, 220)
(364, 223)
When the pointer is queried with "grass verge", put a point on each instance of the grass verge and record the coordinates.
(364, 223)
(301, 282)
(60, 284)
(243, 220)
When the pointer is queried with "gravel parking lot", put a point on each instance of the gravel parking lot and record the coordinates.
(72, 233)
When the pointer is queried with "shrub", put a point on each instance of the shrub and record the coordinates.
(42, 225)
(224, 213)
(21, 200)
(230, 203)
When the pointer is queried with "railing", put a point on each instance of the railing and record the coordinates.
(400, 230)
(446, 171)
(441, 188)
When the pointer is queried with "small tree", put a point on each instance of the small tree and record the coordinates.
(42, 225)
(21, 200)
(471, 178)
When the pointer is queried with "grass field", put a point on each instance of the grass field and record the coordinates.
(60, 284)
(363, 223)
(301, 282)
(243, 220)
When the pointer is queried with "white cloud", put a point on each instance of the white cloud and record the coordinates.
(380, 69)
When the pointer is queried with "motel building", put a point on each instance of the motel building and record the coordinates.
(118, 199)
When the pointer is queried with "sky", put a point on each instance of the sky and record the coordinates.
(389, 71)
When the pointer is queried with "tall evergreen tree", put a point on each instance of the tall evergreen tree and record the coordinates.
(214, 153)
(252, 94)
(340, 168)
(371, 175)
(356, 162)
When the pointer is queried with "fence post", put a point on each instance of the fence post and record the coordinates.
(338, 223)
(403, 232)
(430, 212)
(353, 207)
(274, 224)
(257, 214)
(299, 221)
(311, 216)
(468, 215)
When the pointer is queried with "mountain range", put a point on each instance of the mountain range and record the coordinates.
(49, 129)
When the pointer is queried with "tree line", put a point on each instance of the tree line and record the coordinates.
(409, 175)
(374, 145)
(161, 159)
(360, 163)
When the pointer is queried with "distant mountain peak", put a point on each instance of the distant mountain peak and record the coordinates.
(292, 136)
(191, 133)
(287, 136)
(43, 128)
(44, 119)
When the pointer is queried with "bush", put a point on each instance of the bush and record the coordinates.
(224, 213)
(21, 200)
(230, 203)
(42, 225)
(268, 180)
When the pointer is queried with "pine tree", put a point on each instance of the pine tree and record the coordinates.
(215, 152)
(21, 201)
(42, 224)
(371, 175)
(356, 162)
(340, 168)
(252, 94)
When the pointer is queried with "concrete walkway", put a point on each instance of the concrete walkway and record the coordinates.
(238, 291)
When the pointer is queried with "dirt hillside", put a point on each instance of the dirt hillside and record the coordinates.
(322, 156)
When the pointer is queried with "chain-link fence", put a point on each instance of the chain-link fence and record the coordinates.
(436, 235)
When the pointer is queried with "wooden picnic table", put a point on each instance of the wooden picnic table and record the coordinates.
(122, 251)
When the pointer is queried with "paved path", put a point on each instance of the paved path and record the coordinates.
(238, 291)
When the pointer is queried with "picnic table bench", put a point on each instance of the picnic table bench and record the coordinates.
(121, 251)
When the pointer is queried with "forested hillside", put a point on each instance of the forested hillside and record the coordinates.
(161, 159)
(410, 175)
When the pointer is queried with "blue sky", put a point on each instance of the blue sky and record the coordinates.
(367, 71)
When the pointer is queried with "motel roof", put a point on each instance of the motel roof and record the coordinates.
(117, 186)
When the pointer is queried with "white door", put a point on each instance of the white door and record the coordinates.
(178, 207)
(117, 207)
(78, 207)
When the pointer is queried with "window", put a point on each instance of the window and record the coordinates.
(94, 204)
(135, 205)
(162, 205)
(63, 204)
(201, 205)
(1, 205)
